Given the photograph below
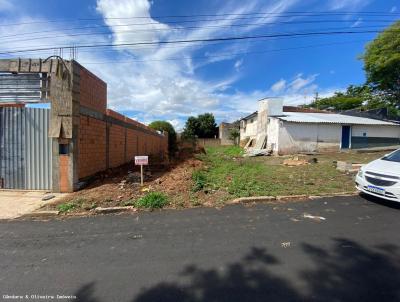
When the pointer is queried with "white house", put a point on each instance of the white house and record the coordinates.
(284, 132)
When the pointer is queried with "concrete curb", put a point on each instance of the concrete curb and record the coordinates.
(39, 214)
(288, 197)
(101, 210)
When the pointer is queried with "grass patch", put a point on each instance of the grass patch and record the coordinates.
(152, 200)
(199, 180)
(225, 170)
(66, 207)
(129, 202)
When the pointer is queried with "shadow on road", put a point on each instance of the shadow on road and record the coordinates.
(380, 201)
(348, 271)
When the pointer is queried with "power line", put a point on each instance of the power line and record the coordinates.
(283, 14)
(136, 24)
(224, 55)
(197, 40)
(244, 25)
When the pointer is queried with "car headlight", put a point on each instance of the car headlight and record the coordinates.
(360, 173)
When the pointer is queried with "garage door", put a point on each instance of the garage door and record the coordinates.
(25, 149)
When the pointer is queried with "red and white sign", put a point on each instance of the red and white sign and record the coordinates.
(141, 160)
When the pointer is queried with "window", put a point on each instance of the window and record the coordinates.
(63, 149)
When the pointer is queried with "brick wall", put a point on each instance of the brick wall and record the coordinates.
(123, 142)
(105, 132)
(93, 91)
(116, 145)
(92, 146)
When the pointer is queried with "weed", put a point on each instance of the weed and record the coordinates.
(66, 207)
(152, 200)
(129, 202)
(199, 180)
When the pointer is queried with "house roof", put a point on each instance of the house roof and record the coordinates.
(249, 116)
(322, 118)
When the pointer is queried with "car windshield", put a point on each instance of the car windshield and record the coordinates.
(395, 156)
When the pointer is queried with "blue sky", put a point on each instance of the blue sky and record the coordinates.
(172, 82)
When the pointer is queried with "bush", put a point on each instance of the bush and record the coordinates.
(152, 200)
(199, 180)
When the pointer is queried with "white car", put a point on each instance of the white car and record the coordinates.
(381, 177)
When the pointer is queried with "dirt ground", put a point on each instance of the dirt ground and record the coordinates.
(117, 188)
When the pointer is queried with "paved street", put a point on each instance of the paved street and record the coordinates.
(239, 253)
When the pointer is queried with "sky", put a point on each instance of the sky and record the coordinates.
(172, 81)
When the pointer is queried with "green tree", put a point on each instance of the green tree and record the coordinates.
(382, 63)
(166, 126)
(234, 134)
(202, 126)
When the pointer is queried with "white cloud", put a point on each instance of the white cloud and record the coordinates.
(348, 4)
(278, 86)
(299, 82)
(357, 23)
(238, 64)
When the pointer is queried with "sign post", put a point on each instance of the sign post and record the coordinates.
(141, 161)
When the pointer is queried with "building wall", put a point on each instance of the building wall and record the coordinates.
(298, 137)
(374, 136)
(273, 134)
(224, 133)
(249, 130)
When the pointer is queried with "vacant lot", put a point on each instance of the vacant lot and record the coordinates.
(215, 178)
(226, 170)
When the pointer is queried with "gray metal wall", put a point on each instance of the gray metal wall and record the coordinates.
(25, 149)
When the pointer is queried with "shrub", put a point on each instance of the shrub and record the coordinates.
(199, 180)
(152, 200)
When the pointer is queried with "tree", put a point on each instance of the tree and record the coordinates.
(166, 126)
(202, 126)
(382, 63)
(234, 134)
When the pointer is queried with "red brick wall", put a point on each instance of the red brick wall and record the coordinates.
(65, 185)
(92, 139)
(92, 146)
(93, 91)
(92, 156)
(117, 146)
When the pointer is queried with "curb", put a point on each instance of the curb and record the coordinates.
(289, 197)
(39, 214)
(101, 210)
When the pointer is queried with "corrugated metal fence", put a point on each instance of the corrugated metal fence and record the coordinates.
(25, 149)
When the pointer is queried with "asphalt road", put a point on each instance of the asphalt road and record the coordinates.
(239, 253)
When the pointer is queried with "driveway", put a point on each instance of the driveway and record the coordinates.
(330, 249)
(14, 204)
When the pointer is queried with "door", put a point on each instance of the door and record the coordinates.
(345, 137)
(25, 149)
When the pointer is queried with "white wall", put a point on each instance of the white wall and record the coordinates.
(376, 131)
(250, 130)
(273, 134)
(307, 137)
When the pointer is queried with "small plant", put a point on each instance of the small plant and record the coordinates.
(66, 207)
(199, 180)
(152, 200)
(129, 202)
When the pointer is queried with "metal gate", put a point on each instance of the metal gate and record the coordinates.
(25, 149)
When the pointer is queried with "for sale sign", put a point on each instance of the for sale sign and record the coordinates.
(141, 160)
